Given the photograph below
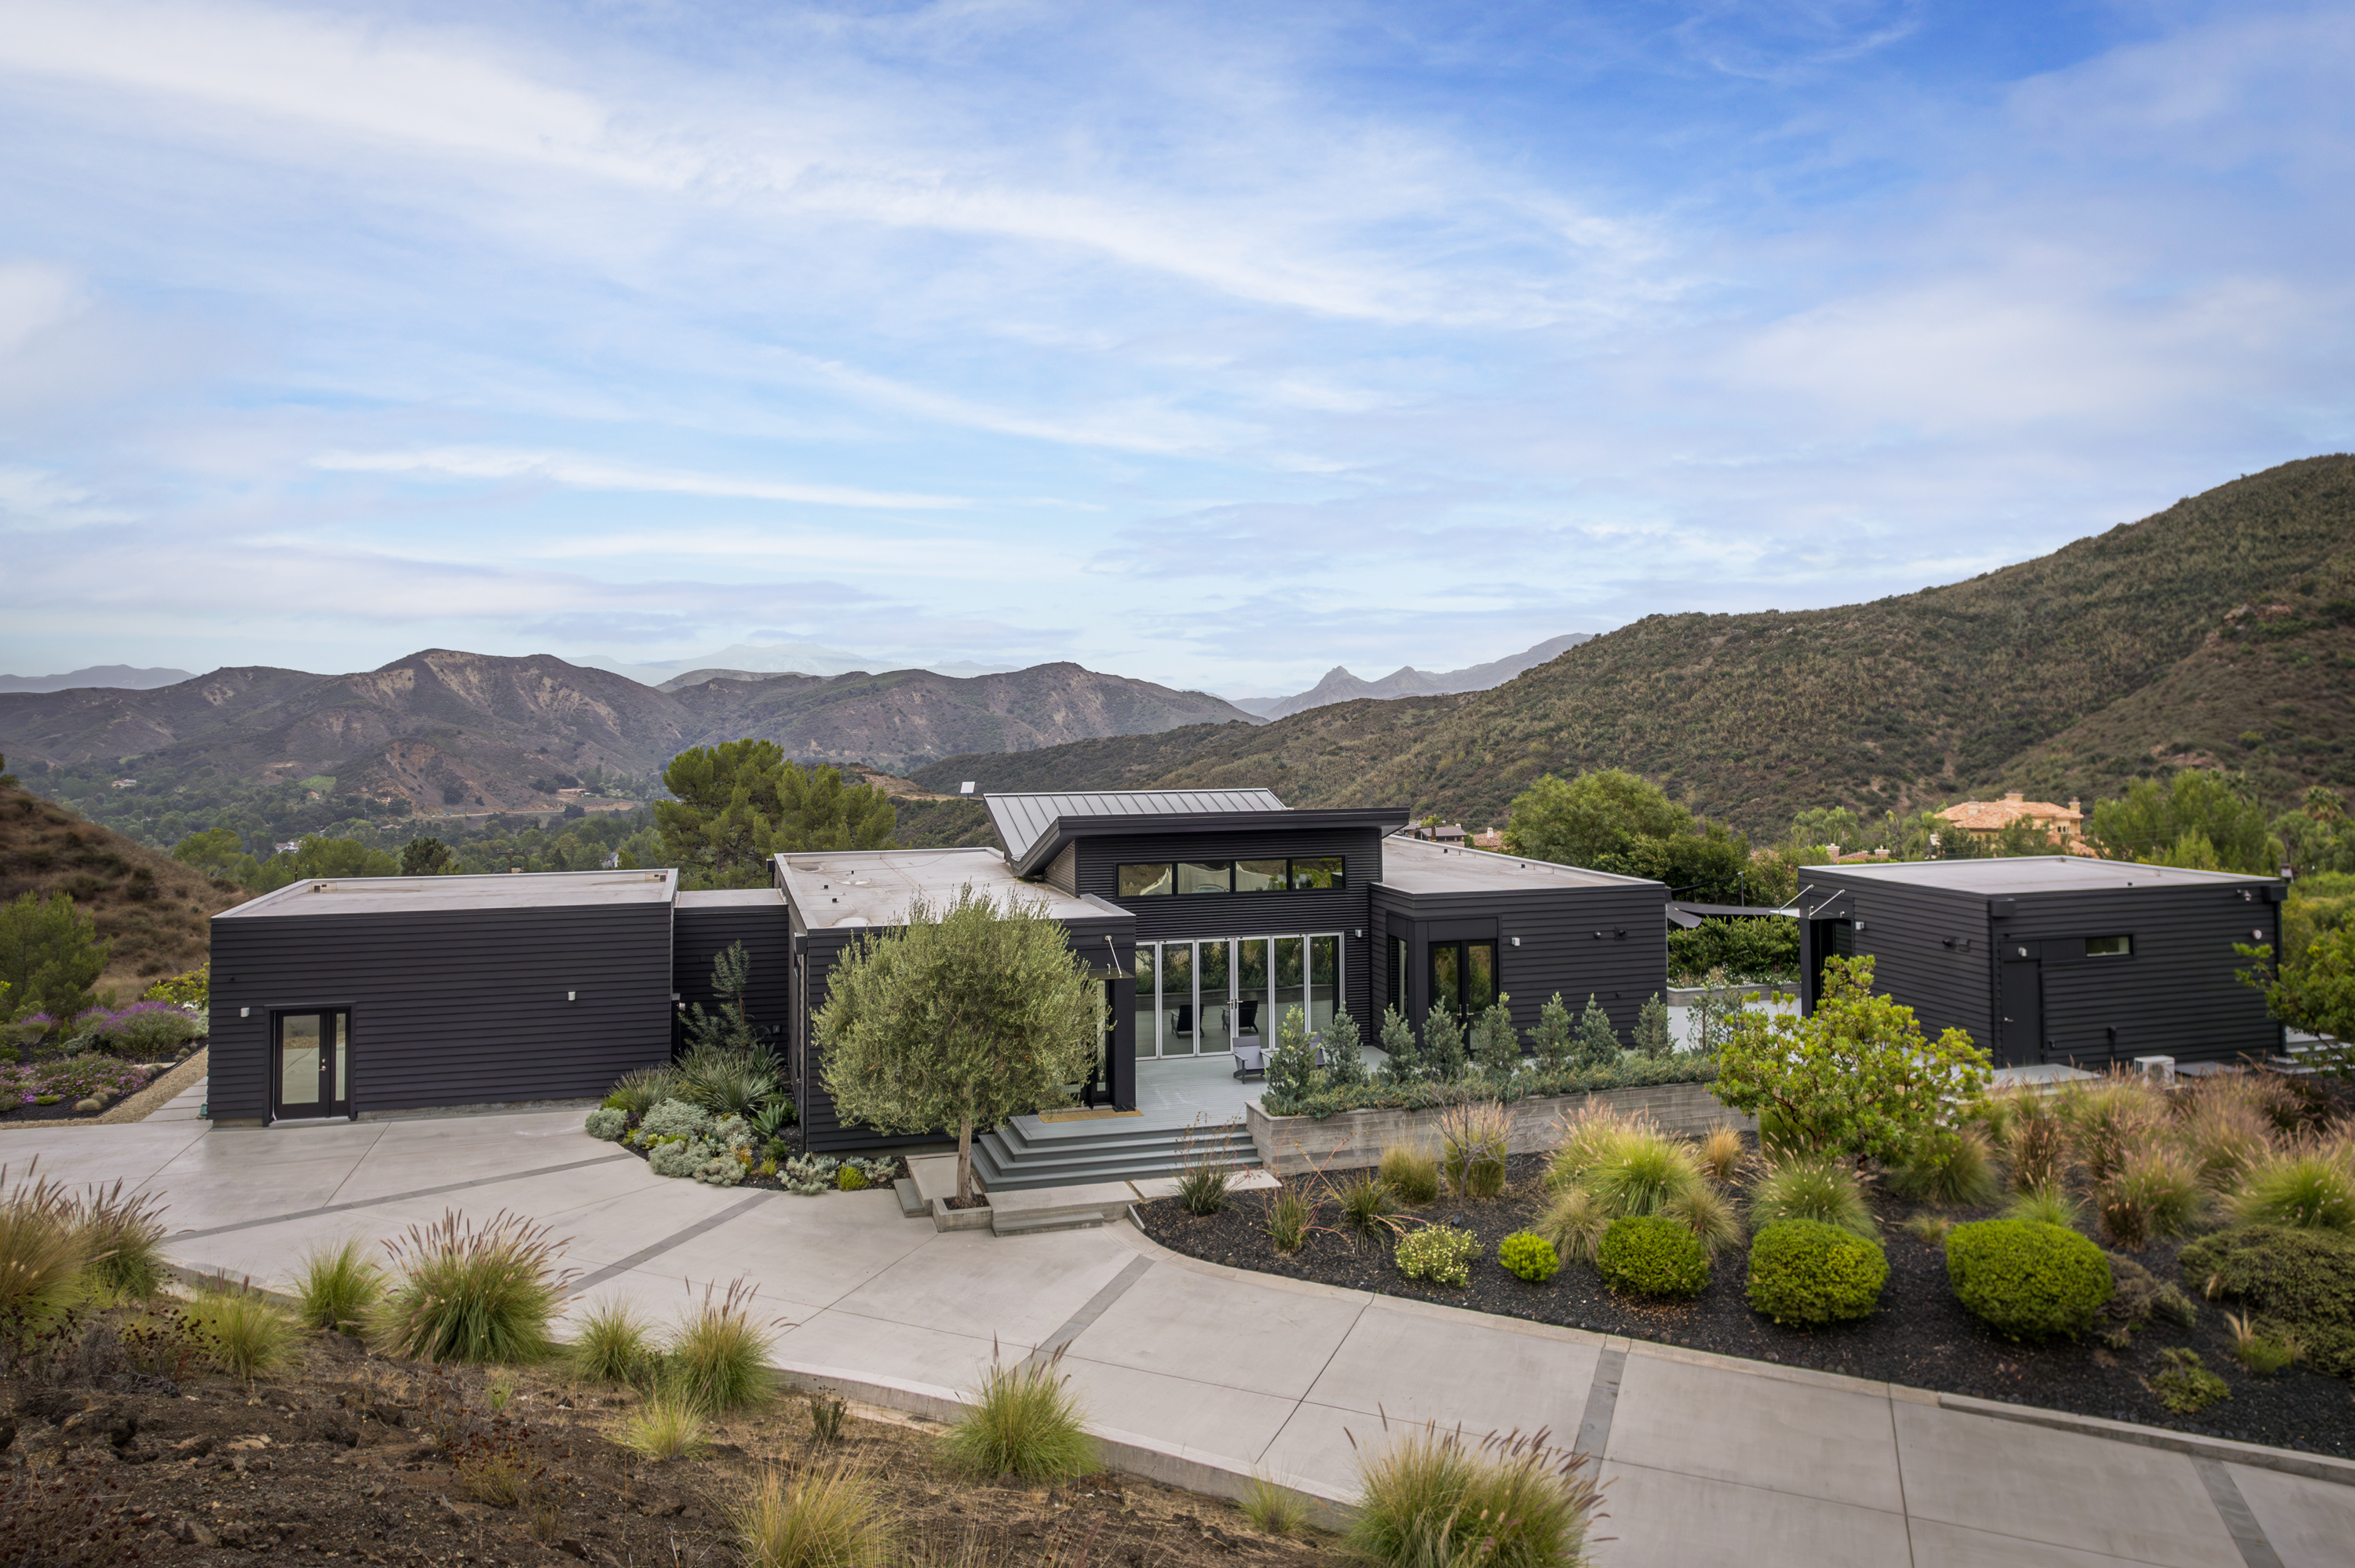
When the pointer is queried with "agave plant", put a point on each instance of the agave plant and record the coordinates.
(728, 1083)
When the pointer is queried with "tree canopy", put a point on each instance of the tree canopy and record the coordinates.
(50, 956)
(1609, 819)
(741, 801)
(966, 1015)
(2200, 820)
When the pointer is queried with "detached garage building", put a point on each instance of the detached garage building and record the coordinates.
(2056, 959)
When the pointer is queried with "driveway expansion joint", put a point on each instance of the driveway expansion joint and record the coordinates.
(676, 1239)
(1602, 1402)
(178, 1237)
(2247, 1533)
(1096, 1307)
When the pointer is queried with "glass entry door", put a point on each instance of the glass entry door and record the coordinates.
(1463, 979)
(314, 1067)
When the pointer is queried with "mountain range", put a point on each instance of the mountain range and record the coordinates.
(96, 676)
(1341, 686)
(748, 660)
(2217, 633)
(444, 728)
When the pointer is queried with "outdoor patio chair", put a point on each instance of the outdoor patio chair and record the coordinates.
(1249, 1056)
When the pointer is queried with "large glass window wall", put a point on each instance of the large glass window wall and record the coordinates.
(1200, 998)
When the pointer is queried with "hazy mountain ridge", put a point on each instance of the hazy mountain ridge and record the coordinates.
(1341, 686)
(2075, 670)
(121, 676)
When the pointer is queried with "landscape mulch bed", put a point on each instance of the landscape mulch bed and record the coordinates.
(1920, 1336)
(330, 1460)
(773, 1183)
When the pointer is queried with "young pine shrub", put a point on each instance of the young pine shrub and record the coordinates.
(2311, 1189)
(1550, 1042)
(1826, 1190)
(1430, 1498)
(718, 1357)
(1954, 1170)
(338, 1285)
(2153, 1192)
(471, 1293)
(42, 1253)
(1024, 1421)
(829, 1517)
(1649, 1254)
(1474, 1140)
(612, 1344)
(1401, 1058)
(123, 1242)
(1652, 1037)
(1597, 1045)
(1722, 1153)
(667, 1426)
(1573, 1222)
(242, 1331)
(1443, 1046)
(1410, 1173)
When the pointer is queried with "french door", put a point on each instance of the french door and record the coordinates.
(1201, 998)
(311, 1052)
(1464, 978)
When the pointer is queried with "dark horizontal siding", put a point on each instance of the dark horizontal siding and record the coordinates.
(1905, 932)
(700, 934)
(2175, 996)
(463, 1006)
(1560, 950)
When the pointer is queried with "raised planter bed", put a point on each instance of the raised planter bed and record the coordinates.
(1289, 1145)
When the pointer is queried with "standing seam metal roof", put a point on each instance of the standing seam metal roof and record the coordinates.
(1021, 819)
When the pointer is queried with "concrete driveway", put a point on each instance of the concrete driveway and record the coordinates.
(1205, 1374)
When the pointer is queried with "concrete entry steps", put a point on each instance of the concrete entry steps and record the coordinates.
(1028, 1153)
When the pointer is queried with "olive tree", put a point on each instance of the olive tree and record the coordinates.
(970, 1013)
(1854, 1078)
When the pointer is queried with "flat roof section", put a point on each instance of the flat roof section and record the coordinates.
(1021, 819)
(1417, 866)
(419, 894)
(2035, 873)
(875, 887)
(728, 897)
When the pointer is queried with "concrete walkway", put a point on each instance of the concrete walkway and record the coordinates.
(1210, 1372)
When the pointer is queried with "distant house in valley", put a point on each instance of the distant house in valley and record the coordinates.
(1439, 833)
(1490, 839)
(2064, 825)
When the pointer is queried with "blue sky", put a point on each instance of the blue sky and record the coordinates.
(1214, 344)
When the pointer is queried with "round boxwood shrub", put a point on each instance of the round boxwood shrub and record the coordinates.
(607, 1123)
(1807, 1273)
(2027, 1279)
(1527, 1255)
(1652, 1256)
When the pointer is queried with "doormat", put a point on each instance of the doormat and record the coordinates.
(1094, 1114)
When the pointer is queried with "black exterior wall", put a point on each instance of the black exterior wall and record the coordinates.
(448, 1007)
(1610, 942)
(2176, 994)
(706, 924)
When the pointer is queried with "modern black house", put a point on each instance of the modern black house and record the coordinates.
(1206, 914)
(2054, 959)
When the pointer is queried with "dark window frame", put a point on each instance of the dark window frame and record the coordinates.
(1289, 884)
(2124, 952)
(1168, 877)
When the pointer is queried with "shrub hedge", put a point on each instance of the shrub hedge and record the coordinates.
(1531, 1082)
(1807, 1273)
(2290, 1280)
(1652, 1256)
(2029, 1279)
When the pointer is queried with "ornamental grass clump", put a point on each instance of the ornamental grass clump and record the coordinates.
(1641, 1172)
(1411, 1173)
(1708, 1213)
(471, 1293)
(1826, 1190)
(2027, 1280)
(2109, 1121)
(1722, 1153)
(639, 1090)
(1288, 1216)
(1202, 1188)
(1430, 1498)
(612, 1344)
(1955, 1172)
(122, 1240)
(2152, 1192)
(1573, 1222)
(42, 1253)
(2311, 1188)
(1804, 1274)
(669, 1425)
(2035, 1142)
(1439, 1254)
(338, 1285)
(2045, 1206)
(720, 1357)
(1365, 1203)
(1652, 1256)
(1022, 1420)
(830, 1516)
(1272, 1509)
(243, 1332)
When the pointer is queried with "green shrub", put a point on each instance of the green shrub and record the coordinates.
(830, 1516)
(1365, 1203)
(2151, 1191)
(468, 1293)
(1807, 1273)
(337, 1286)
(2187, 1387)
(607, 1122)
(851, 1178)
(639, 1092)
(1957, 1171)
(1528, 1256)
(1411, 1173)
(2026, 1279)
(2295, 1283)
(242, 1330)
(1825, 1191)
(1431, 1498)
(1202, 1188)
(612, 1344)
(673, 1119)
(1652, 1256)
(1441, 1254)
(719, 1356)
(1022, 1420)
(2309, 1190)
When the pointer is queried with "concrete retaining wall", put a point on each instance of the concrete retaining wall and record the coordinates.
(1291, 1144)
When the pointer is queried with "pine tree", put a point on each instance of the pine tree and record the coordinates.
(1292, 1067)
(1598, 1043)
(1404, 1062)
(1652, 1037)
(1494, 1046)
(731, 1027)
(1442, 1046)
(1345, 1067)
(1550, 1041)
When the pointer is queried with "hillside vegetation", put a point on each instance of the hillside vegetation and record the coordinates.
(2218, 632)
(155, 911)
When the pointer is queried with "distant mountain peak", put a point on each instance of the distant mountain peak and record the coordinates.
(1341, 686)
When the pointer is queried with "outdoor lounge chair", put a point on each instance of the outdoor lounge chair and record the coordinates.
(1249, 1056)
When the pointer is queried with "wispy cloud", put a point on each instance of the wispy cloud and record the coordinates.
(589, 473)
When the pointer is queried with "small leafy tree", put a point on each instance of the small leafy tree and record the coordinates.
(1345, 1067)
(219, 852)
(1403, 1062)
(2315, 993)
(1713, 1013)
(1550, 1041)
(965, 1016)
(50, 956)
(1652, 1036)
(1495, 1044)
(2200, 820)
(1598, 1043)
(1442, 1046)
(426, 857)
(1855, 1078)
(1292, 1066)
